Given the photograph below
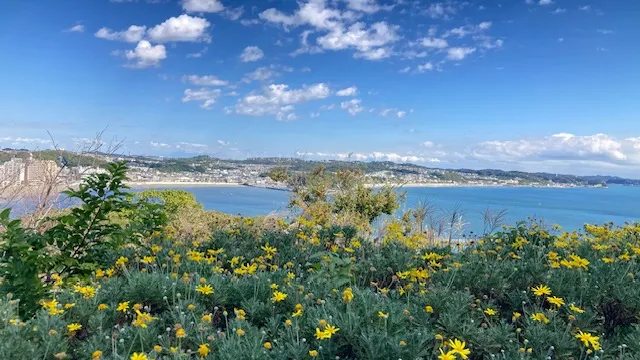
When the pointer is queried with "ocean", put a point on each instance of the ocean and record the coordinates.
(570, 208)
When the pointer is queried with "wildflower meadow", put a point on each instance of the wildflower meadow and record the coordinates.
(123, 278)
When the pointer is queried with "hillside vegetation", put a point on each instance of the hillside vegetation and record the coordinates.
(156, 277)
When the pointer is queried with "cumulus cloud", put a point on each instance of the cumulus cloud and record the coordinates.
(368, 42)
(562, 147)
(205, 80)
(339, 31)
(207, 97)
(352, 106)
(350, 91)
(545, 2)
(251, 53)
(459, 53)
(181, 28)
(260, 74)
(146, 55)
(133, 34)
(278, 100)
(208, 6)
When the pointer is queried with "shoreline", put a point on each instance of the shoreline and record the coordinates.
(449, 185)
(181, 184)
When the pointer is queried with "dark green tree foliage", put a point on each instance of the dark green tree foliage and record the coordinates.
(172, 199)
(106, 218)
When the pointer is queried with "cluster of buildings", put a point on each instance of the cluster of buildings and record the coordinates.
(248, 174)
(18, 171)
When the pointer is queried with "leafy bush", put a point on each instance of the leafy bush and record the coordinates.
(105, 219)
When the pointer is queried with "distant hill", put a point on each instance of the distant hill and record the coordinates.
(73, 159)
(199, 164)
(203, 163)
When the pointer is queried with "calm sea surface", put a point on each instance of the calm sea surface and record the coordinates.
(571, 208)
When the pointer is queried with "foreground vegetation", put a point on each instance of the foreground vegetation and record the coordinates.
(130, 278)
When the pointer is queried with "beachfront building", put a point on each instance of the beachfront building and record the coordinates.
(40, 171)
(12, 172)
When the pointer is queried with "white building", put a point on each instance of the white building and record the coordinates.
(12, 172)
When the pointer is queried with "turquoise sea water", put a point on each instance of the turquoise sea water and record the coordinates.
(569, 207)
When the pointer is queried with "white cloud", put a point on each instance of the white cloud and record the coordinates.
(251, 53)
(585, 8)
(352, 106)
(545, 2)
(133, 34)
(374, 54)
(440, 11)
(222, 142)
(207, 97)
(562, 147)
(369, 42)
(181, 28)
(313, 13)
(198, 54)
(350, 91)
(393, 111)
(425, 67)
(22, 140)
(434, 43)
(278, 100)
(427, 144)
(366, 6)
(209, 6)
(466, 30)
(234, 14)
(559, 11)
(373, 156)
(395, 157)
(146, 55)
(605, 31)
(76, 28)
(260, 74)
(205, 80)
(459, 53)
(189, 146)
(159, 144)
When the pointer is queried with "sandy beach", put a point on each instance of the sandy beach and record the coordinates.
(181, 184)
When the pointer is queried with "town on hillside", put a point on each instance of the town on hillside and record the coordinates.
(24, 167)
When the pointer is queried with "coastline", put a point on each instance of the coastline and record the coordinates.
(134, 184)
(450, 185)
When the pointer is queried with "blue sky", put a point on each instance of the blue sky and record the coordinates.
(537, 85)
